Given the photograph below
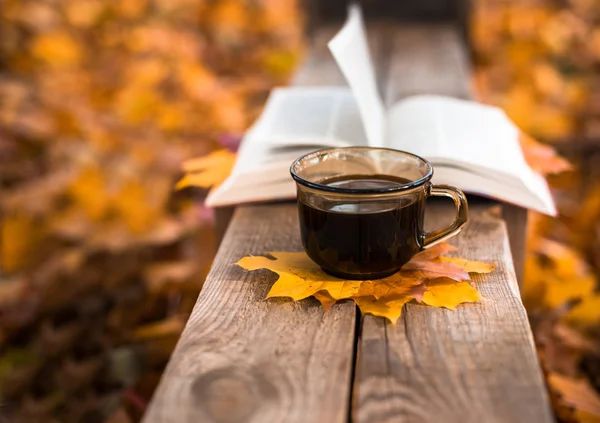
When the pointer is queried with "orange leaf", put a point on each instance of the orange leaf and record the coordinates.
(470, 266)
(58, 49)
(585, 315)
(429, 263)
(542, 158)
(168, 327)
(208, 170)
(89, 191)
(18, 235)
(578, 394)
(325, 299)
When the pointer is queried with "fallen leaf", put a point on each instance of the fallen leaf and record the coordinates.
(168, 327)
(207, 171)
(542, 158)
(58, 49)
(470, 266)
(83, 13)
(18, 235)
(393, 286)
(325, 299)
(391, 310)
(158, 274)
(12, 290)
(300, 277)
(448, 293)
(89, 191)
(578, 394)
(431, 265)
(585, 315)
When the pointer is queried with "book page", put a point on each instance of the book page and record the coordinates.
(477, 138)
(511, 190)
(413, 127)
(456, 130)
(351, 52)
(314, 116)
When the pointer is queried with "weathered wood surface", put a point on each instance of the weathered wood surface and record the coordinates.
(476, 363)
(244, 359)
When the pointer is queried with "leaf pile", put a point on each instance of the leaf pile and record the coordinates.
(539, 60)
(428, 278)
(100, 261)
(542, 56)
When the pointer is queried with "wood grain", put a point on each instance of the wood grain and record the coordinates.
(242, 358)
(516, 219)
(474, 364)
(427, 59)
(433, 60)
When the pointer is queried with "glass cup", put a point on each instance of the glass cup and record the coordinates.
(361, 209)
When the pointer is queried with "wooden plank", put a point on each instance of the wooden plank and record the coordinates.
(244, 359)
(428, 59)
(477, 363)
(516, 219)
(433, 60)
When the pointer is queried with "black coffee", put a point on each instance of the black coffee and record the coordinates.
(362, 240)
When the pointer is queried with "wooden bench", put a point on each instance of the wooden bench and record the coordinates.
(242, 358)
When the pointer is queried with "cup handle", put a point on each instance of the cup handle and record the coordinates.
(462, 212)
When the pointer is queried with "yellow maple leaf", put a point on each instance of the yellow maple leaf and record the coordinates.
(391, 310)
(325, 299)
(447, 293)
(300, 277)
(207, 171)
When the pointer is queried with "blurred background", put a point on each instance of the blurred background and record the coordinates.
(101, 102)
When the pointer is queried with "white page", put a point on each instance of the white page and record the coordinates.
(457, 130)
(351, 52)
(479, 138)
(511, 190)
(313, 116)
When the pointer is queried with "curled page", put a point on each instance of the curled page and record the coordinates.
(351, 52)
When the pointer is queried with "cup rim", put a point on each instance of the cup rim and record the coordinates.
(399, 188)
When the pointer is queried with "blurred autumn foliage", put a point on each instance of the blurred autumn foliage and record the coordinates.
(101, 261)
(540, 61)
(101, 103)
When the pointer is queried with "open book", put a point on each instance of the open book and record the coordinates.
(472, 146)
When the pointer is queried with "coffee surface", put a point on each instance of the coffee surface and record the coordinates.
(365, 238)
